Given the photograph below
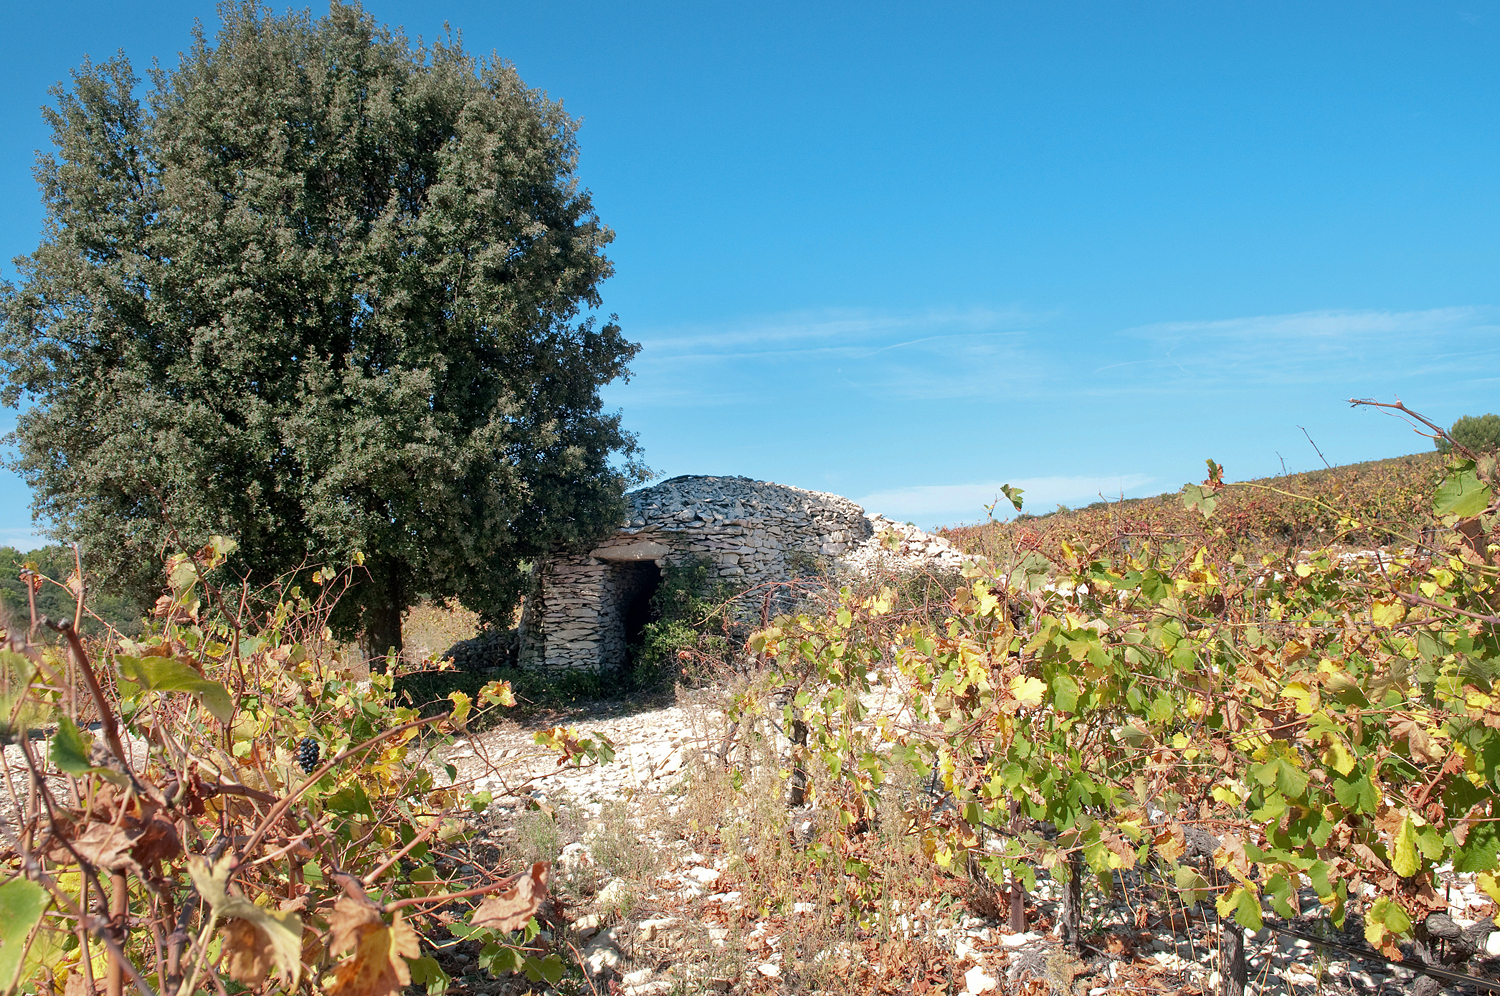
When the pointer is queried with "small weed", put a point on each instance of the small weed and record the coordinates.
(615, 841)
(542, 833)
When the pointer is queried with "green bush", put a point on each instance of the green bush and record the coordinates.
(1478, 432)
(689, 631)
(55, 601)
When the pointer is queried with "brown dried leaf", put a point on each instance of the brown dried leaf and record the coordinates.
(77, 985)
(281, 930)
(105, 845)
(1368, 858)
(248, 953)
(1171, 843)
(510, 908)
(377, 966)
(157, 842)
(348, 917)
(1232, 858)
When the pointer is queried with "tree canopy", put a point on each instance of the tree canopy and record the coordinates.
(1480, 433)
(324, 291)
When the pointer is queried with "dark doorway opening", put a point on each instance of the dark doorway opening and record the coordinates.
(638, 583)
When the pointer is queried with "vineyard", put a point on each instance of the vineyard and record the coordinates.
(250, 814)
(1390, 499)
(1138, 697)
(1269, 704)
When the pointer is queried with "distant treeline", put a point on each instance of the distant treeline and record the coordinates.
(57, 562)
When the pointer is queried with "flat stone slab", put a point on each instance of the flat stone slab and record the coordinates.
(631, 552)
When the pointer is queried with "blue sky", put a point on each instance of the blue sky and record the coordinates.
(907, 253)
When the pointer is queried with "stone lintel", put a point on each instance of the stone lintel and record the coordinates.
(631, 552)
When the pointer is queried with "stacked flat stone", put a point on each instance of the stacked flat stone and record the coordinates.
(759, 537)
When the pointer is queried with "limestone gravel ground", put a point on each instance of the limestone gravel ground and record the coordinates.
(644, 911)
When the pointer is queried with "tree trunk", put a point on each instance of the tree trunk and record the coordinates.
(382, 616)
(1017, 889)
(1232, 972)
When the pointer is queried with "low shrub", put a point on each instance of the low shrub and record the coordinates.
(251, 807)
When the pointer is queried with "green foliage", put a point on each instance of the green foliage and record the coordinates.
(1480, 433)
(689, 628)
(320, 291)
(1333, 717)
(55, 601)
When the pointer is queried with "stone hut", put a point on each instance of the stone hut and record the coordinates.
(586, 609)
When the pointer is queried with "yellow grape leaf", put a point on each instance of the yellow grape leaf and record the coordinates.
(279, 940)
(510, 908)
(1387, 611)
(1171, 843)
(1029, 691)
(1489, 885)
(497, 693)
(1384, 922)
(1404, 859)
(377, 964)
(985, 601)
(1303, 697)
(1231, 857)
(461, 707)
(1338, 757)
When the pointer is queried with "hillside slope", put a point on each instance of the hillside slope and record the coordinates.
(1385, 499)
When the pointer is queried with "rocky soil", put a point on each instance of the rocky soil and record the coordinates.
(646, 905)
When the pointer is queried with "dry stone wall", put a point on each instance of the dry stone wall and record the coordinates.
(586, 608)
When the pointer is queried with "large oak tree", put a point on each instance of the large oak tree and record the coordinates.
(322, 291)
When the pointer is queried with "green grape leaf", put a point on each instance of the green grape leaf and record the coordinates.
(22, 903)
(1065, 692)
(549, 969)
(428, 973)
(1192, 887)
(70, 751)
(162, 674)
(1480, 851)
(1243, 904)
(1462, 493)
(1196, 498)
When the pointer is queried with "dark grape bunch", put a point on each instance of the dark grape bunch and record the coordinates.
(307, 754)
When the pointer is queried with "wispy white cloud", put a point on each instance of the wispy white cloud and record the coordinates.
(948, 503)
(1326, 347)
(1324, 325)
(931, 354)
(1007, 356)
(833, 328)
(22, 539)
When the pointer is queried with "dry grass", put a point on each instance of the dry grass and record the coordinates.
(432, 627)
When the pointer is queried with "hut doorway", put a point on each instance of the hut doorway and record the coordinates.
(636, 584)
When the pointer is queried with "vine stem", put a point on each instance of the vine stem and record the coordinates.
(1398, 406)
(427, 831)
(286, 802)
(106, 714)
(478, 890)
